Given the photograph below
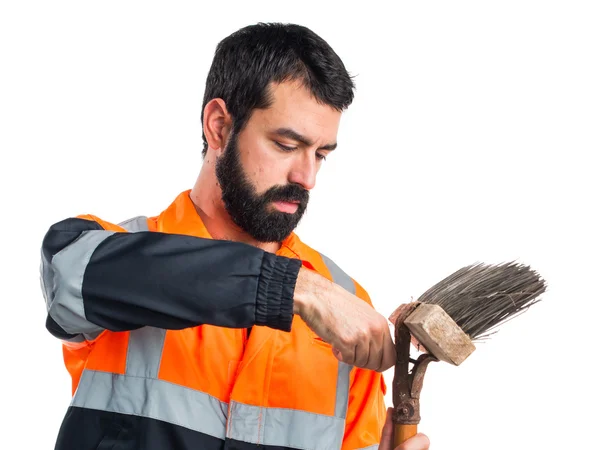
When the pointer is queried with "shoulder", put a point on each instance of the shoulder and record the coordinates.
(326, 266)
(138, 223)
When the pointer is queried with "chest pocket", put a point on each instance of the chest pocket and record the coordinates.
(291, 391)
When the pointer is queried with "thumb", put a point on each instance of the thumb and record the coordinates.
(337, 354)
(417, 442)
(387, 434)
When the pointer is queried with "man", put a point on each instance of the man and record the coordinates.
(211, 325)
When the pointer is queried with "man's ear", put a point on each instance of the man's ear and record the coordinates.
(217, 124)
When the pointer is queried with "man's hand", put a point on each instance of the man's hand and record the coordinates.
(418, 442)
(359, 335)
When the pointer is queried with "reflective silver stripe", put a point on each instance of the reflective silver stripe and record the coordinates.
(342, 390)
(343, 382)
(339, 276)
(62, 285)
(154, 399)
(139, 392)
(46, 281)
(135, 224)
(370, 447)
(144, 352)
(69, 265)
(285, 427)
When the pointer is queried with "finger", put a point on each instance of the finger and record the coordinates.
(389, 353)
(375, 353)
(337, 354)
(348, 354)
(417, 442)
(381, 353)
(363, 353)
(387, 433)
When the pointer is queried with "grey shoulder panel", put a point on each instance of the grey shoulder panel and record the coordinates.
(135, 224)
(339, 276)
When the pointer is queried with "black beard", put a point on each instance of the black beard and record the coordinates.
(250, 211)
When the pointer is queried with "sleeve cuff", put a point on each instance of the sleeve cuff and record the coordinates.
(275, 296)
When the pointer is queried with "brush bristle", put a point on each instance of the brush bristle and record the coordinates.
(481, 296)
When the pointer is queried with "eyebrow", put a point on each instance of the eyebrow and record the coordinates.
(294, 135)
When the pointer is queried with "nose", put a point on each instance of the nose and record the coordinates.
(304, 171)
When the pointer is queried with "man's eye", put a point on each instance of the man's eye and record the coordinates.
(321, 157)
(285, 148)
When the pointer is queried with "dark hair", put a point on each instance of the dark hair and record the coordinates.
(247, 61)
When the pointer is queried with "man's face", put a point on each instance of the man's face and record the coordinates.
(267, 170)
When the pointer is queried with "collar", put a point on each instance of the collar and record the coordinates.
(181, 217)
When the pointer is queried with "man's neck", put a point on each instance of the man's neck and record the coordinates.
(206, 198)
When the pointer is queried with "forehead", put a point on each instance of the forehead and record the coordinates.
(293, 106)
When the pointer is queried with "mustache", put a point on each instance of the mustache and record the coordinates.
(287, 193)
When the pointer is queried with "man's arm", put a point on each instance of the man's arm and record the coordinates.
(95, 278)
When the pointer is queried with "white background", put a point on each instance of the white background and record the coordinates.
(473, 137)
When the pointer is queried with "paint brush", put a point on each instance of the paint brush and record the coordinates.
(465, 307)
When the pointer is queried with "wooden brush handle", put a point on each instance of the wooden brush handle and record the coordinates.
(403, 432)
